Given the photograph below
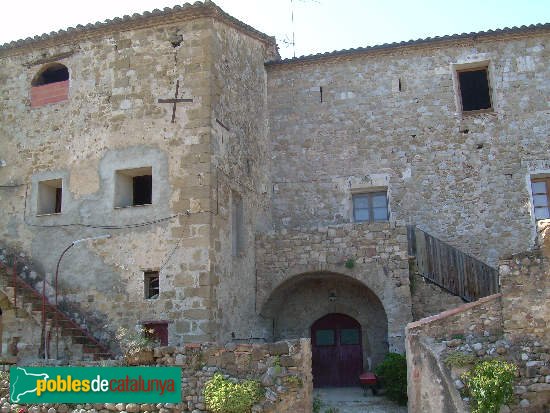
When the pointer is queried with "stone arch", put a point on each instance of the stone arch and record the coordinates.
(50, 73)
(301, 300)
(375, 280)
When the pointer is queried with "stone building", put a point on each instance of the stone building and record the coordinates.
(249, 198)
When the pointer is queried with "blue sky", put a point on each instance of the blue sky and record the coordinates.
(319, 25)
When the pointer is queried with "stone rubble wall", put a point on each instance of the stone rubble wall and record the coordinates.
(525, 285)
(283, 369)
(481, 330)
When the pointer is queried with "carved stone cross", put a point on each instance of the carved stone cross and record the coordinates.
(175, 101)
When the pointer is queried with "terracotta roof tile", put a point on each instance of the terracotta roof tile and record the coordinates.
(428, 40)
(167, 12)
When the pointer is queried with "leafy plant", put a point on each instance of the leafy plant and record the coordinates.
(458, 359)
(293, 381)
(317, 404)
(392, 372)
(350, 263)
(332, 410)
(133, 342)
(277, 364)
(224, 396)
(490, 384)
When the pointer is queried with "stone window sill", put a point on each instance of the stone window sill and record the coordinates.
(133, 206)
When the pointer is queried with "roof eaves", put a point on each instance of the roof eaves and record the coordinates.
(136, 20)
(409, 43)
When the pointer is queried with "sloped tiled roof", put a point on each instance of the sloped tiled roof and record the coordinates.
(429, 40)
(145, 19)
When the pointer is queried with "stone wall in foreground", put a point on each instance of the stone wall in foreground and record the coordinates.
(511, 326)
(283, 369)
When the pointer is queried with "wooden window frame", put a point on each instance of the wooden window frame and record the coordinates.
(546, 180)
(370, 196)
(149, 276)
(481, 67)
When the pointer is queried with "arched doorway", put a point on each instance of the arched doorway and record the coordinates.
(297, 304)
(337, 354)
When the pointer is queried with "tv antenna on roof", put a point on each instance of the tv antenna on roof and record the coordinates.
(292, 40)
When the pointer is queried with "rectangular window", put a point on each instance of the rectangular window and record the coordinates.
(151, 283)
(370, 207)
(324, 338)
(50, 196)
(349, 336)
(474, 89)
(157, 331)
(133, 187)
(237, 225)
(540, 188)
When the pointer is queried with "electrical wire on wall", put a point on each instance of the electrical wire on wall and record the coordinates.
(113, 227)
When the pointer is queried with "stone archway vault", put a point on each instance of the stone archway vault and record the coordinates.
(299, 302)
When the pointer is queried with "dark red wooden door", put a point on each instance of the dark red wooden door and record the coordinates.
(337, 355)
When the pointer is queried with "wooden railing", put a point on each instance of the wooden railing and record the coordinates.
(450, 268)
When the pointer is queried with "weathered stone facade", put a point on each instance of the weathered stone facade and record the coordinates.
(390, 118)
(113, 121)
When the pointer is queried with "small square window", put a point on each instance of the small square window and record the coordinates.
(370, 207)
(157, 331)
(151, 284)
(474, 89)
(50, 196)
(540, 189)
(133, 187)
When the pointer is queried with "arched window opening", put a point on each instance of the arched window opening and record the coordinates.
(50, 85)
(53, 73)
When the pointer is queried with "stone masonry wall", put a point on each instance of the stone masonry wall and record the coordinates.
(380, 264)
(389, 117)
(430, 387)
(111, 121)
(429, 299)
(240, 170)
(282, 368)
(525, 285)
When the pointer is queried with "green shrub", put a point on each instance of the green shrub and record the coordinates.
(350, 263)
(223, 396)
(317, 404)
(392, 373)
(293, 381)
(490, 384)
(458, 359)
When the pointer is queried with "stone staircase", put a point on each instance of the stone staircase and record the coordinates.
(61, 336)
